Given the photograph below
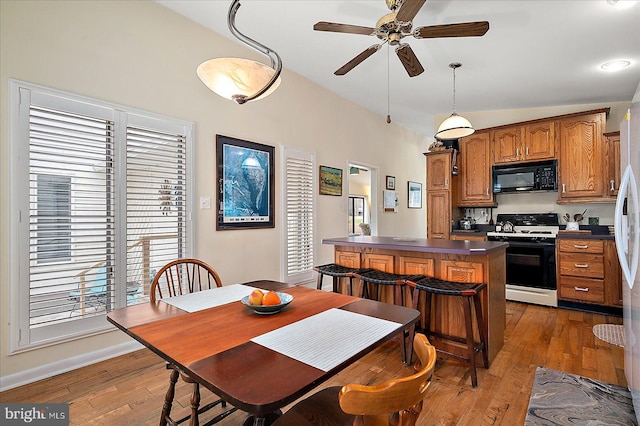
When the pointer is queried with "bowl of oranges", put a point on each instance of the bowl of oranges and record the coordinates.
(266, 302)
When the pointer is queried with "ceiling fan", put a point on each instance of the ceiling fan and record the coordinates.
(393, 27)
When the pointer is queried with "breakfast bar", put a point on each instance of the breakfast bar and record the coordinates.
(460, 261)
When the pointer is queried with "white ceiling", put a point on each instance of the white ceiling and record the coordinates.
(536, 53)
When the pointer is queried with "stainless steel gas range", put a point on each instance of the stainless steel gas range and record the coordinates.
(531, 256)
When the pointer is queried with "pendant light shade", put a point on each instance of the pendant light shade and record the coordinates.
(456, 126)
(237, 79)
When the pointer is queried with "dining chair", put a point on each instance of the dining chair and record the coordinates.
(397, 402)
(179, 277)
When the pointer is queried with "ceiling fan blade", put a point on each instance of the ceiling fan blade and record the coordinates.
(409, 60)
(409, 9)
(465, 29)
(343, 28)
(356, 61)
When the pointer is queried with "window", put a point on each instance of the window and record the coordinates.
(357, 213)
(298, 217)
(100, 196)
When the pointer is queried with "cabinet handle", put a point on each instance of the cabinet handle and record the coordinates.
(613, 183)
(580, 247)
(487, 190)
(585, 289)
(446, 181)
(581, 265)
(517, 152)
(438, 236)
(527, 152)
(564, 188)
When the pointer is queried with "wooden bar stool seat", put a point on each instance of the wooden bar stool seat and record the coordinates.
(469, 292)
(337, 271)
(378, 280)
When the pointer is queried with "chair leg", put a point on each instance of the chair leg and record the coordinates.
(350, 286)
(335, 284)
(195, 404)
(168, 399)
(482, 330)
(470, 342)
(319, 284)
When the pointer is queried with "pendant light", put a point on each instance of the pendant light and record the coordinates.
(238, 79)
(456, 126)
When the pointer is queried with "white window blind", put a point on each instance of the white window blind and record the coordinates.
(101, 195)
(300, 222)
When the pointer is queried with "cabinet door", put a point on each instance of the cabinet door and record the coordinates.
(581, 171)
(462, 272)
(348, 259)
(438, 171)
(438, 214)
(540, 141)
(381, 262)
(507, 145)
(417, 266)
(612, 276)
(475, 176)
(612, 148)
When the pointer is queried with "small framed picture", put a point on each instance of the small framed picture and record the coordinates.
(415, 195)
(330, 181)
(391, 183)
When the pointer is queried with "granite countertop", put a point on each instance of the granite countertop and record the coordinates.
(419, 244)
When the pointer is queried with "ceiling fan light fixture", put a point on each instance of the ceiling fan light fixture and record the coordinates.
(237, 79)
(456, 126)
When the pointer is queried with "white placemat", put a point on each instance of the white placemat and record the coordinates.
(205, 299)
(327, 339)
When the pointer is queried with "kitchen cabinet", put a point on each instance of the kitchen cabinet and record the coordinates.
(589, 272)
(442, 194)
(475, 171)
(581, 166)
(531, 142)
(612, 158)
(380, 262)
(348, 259)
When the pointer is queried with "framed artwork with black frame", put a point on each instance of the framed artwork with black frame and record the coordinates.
(330, 181)
(391, 183)
(245, 178)
(415, 195)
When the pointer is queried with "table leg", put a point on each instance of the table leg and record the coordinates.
(265, 420)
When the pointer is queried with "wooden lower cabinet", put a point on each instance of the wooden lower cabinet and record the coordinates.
(589, 272)
(348, 259)
(381, 262)
(417, 266)
(439, 214)
(462, 272)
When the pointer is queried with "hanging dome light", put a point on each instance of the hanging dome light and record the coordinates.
(456, 126)
(237, 79)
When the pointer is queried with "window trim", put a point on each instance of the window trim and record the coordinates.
(18, 171)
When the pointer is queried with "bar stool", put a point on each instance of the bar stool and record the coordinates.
(468, 292)
(399, 282)
(337, 271)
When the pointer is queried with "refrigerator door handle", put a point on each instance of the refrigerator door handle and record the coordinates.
(622, 231)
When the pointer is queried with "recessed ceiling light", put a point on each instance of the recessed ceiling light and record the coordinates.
(615, 65)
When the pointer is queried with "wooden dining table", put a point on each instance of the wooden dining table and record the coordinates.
(215, 346)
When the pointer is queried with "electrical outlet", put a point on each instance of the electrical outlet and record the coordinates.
(205, 202)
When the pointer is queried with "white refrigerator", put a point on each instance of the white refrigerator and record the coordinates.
(627, 235)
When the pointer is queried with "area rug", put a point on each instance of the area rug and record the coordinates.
(610, 333)
(559, 398)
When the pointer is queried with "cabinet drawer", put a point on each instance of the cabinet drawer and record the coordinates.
(582, 289)
(582, 265)
(582, 246)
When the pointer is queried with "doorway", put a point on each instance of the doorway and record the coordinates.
(361, 211)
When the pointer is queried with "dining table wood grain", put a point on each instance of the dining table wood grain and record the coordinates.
(213, 346)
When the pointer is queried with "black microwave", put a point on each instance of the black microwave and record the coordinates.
(539, 176)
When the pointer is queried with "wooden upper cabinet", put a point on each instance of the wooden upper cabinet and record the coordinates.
(540, 141)
(581, 166)
(530, 142)
(439, 214)
(507, 145)
(475, 170)
(438, 170)
(612, 150)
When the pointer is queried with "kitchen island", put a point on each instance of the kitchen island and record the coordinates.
(461, 261)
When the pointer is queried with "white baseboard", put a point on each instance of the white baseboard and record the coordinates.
(49, 370)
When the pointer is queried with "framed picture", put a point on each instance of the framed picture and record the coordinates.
(330, 181)
(245, 194)
(391, 183)
(415, 195)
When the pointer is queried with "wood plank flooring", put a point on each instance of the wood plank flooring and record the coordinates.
(130, 389)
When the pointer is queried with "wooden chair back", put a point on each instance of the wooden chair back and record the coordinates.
(397, 402)
(183, 276)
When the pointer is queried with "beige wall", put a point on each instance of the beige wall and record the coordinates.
(142, 55)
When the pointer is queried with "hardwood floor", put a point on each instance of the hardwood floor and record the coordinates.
(130, 389)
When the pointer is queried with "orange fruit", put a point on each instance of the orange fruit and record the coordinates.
(271, 298)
